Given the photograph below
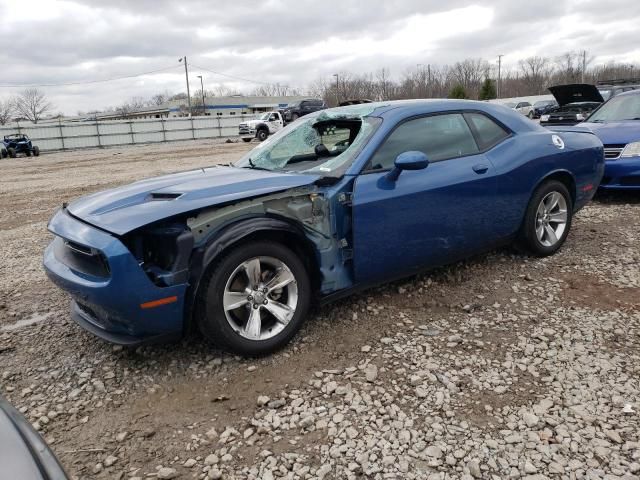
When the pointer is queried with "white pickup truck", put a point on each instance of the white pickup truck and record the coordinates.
(268, 123)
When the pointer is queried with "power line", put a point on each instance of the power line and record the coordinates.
(235, 77)
(86, 82)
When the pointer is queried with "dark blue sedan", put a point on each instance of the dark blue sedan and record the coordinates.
(617, 124)
(340, 200)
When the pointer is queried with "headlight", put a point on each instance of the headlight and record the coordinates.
(631, 150)
(544, 118)
(580, 116)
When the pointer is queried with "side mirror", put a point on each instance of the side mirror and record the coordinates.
(408, 161)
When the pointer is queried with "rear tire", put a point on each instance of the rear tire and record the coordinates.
(27, 153)
(547, 220)
(235, 312)
(11, 152)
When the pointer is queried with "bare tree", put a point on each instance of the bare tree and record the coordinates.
(6, 111)
(535, 73)
(132, 105)
(159, 98)
(32, 104)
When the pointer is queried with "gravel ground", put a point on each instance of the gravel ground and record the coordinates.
(503, 366)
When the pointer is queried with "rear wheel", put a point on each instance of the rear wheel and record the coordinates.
(11, 152)
(254, 299)
(548, 219)
(27, 153)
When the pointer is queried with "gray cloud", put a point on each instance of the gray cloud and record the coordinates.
(97, 39)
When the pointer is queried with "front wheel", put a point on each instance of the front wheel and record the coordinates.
(262, 135)
(36, 151)
(548, 219)
(3, 153)
(254, 299)
(247, 140)
(11, 152)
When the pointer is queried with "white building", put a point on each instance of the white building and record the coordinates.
(233, 105)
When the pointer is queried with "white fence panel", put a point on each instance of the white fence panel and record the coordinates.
(91, 134)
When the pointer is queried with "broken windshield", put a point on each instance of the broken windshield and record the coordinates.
(320, 142)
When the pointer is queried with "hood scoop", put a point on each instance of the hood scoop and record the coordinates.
(154, 196)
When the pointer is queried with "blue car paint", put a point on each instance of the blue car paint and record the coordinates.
(618, 133)
(385, 230)
(116, 300)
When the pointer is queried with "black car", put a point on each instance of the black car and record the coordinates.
(23, 452)
(301, 108)
(19, 143)
(542, 107)
(575, 103)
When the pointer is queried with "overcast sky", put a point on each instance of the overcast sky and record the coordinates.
(293, 42)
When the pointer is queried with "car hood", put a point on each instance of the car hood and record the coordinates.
(612, 133)
(123, 209)
(575, 92)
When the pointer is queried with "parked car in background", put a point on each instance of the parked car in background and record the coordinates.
(304, 107)
(617, 124)
(611, 88)
(340, 200)
(525, 108)
(542, 107)
(575, 103)
(267, 124)
(23, 452)
(19, 143)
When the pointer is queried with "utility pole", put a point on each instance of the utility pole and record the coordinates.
(584, 64)
(186, 75)
(337, 89)
(202, 91)
(499, 73)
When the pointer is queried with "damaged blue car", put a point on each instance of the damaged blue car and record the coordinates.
(340, 200)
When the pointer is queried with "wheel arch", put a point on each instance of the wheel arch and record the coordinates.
(237, 233)
(563, 176)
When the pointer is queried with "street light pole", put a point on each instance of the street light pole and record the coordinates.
(499, 72)
(202, 91)
(337, 89)
(186, 75)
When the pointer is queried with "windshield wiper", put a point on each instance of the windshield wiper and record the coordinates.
(253, 166)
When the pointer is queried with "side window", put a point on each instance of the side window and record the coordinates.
(487, 131)
(439, 137)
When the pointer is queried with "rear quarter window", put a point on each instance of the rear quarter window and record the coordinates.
(488, 133)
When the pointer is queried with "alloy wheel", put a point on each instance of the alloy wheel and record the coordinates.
(260, 298)
(551, 219)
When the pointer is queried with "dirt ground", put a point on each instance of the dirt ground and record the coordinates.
(110, 412)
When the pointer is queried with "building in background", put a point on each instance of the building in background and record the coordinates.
(233, 105)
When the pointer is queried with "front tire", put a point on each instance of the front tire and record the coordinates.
(11, 152)
(547, 220)
(36, 151)
(247, 140)
(262, 135)
(254, 299)
(3, 153)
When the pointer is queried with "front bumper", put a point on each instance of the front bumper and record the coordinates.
(621, 174)
(108, 302)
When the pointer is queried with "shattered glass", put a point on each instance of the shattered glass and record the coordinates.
(329, 131)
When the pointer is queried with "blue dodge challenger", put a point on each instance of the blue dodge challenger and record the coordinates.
(339, 200)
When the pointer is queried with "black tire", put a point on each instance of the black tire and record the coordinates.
(3, 153)
(210, 314)
(11, 152)
(27, 153)
(247, 139)
(528, 238)
(262, 134)
(36, 151)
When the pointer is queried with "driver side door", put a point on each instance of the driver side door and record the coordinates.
(426, 217)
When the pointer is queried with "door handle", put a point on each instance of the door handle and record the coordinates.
(480, 168)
